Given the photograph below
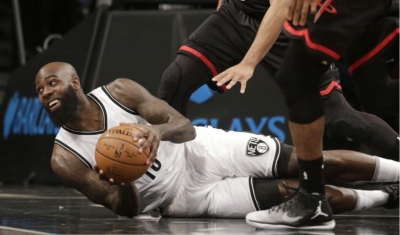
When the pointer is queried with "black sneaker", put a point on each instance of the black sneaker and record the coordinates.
(303, 211)
(393, 191)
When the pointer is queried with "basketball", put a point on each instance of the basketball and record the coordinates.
(118, 155)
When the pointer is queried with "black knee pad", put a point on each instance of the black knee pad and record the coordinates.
(183, 76)
(366, 129)
(299, 79)
(341, 118)
(350, 125)
(361, 127)
(170, 82)
(304, 107)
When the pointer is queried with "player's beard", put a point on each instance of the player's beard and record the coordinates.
(69, 106)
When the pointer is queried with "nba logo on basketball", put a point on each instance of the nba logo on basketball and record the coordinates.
(120, 147)
(256, 147)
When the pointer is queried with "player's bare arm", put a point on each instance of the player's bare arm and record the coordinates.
(219, 4)
(122, 200)
(297, 10)
(167, 123)
(269, 30)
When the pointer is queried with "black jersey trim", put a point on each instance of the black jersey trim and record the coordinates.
(105, 127)
(253, 194)
(276, 158)
(80, 157)
(117, 102)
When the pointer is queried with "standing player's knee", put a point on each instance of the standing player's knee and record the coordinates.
(301, 97)
(172, 88)
(299, 79)
(169, 83)
(304, 106)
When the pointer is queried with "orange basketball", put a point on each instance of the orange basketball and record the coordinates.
(118, 155)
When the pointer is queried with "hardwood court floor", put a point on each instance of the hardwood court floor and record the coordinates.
(62, 210)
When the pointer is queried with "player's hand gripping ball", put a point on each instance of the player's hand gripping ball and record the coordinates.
(118, 156)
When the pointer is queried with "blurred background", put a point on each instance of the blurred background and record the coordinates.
(36, 25)
(107, 39)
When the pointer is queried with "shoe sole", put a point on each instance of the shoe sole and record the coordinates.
(324, 226)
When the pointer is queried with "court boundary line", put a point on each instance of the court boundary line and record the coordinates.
(23, 230)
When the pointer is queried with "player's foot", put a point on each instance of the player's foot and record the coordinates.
(303, 211)
(393, 191)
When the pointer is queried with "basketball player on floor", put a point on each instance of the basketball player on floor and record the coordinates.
(327, 36)
(222, 41)
(196, 171)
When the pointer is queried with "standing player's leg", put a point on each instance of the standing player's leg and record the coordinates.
(299, 79)
(183, 77)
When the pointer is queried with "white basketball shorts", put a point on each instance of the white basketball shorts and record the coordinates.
(219, 167)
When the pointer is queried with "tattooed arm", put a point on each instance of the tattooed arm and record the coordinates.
(122, 200)
(167, 123)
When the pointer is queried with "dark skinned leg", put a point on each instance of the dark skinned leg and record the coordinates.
(340, 165)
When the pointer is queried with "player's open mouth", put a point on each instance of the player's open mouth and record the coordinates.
(53, 105)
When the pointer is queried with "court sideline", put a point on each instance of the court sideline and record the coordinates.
(61, 210)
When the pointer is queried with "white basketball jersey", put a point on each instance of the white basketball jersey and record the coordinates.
(152, 186)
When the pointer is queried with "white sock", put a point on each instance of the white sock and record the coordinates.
(386, 170)
(370, 199)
